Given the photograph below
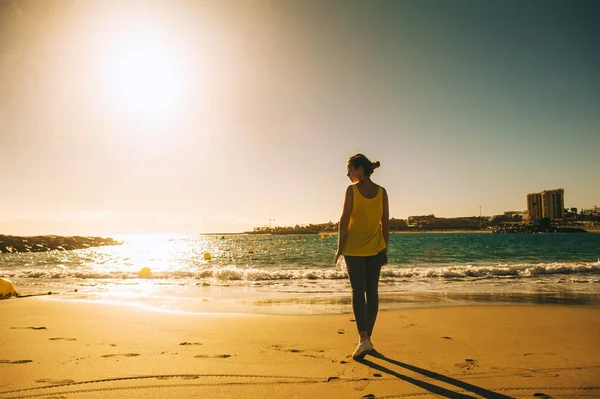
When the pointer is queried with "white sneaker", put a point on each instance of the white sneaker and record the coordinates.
(362, 349)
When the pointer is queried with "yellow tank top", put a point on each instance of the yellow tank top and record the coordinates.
(365, 237)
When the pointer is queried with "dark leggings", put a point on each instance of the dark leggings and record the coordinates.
(364, 278)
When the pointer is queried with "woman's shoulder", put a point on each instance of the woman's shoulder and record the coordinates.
(383, 193)
(382, 190)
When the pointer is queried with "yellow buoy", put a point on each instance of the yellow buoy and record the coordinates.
(207, 255)
(250, 250)
(276, 244)
(285, 243)
(330, 235)
(145, 272)
(7, 289)
(322, 237)
(265, 247)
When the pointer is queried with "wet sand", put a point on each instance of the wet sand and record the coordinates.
(74, 349)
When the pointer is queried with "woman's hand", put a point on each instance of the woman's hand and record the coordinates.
(385, 256)
(337, 256)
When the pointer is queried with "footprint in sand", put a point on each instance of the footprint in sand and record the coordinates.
(292, 350)
(212, 356)
(191, 343)
(468, 365)
(450, 338)
(62, 339)
(28, 328)
(121, 355)
(312, 353)
(314, 356)
(361, 386)
(341, 331)
(16, 361)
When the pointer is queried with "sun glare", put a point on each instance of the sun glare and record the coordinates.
(142, 72)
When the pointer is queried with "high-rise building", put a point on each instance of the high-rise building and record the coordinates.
(553, 204)
(547, 204)
(534, 206)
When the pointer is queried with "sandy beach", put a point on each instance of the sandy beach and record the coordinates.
(54, 348)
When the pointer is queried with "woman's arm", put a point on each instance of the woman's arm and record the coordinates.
(344, 222)
(385, 224)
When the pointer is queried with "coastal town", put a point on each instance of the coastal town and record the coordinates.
(545, 213)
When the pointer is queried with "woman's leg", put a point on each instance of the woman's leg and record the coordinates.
(373, 271)
(357, 266)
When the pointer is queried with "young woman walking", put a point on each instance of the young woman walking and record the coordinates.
(362, 240)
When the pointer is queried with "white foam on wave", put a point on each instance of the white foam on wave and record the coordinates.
(518, 270)
(235, 273)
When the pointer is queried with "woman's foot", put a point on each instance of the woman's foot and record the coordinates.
(364, 346)
(372, 346)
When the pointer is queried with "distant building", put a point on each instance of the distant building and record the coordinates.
(553, 204)
(595, 211)
(516, 214)
(534, 206)
(547, 204)
(421, 221)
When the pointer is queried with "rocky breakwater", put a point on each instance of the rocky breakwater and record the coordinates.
(51, 243)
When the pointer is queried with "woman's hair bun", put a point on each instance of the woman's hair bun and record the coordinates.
(359, 160)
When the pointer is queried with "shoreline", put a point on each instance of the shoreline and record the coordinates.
(257, 303)
(83, 350)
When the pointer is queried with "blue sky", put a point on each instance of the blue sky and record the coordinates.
(199, 116)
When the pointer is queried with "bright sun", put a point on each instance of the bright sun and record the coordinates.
(143, 77)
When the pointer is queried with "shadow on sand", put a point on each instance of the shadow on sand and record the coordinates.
(437, 390)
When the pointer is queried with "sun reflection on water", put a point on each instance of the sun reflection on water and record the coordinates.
(160, 253)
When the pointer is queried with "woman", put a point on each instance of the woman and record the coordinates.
(363, 237)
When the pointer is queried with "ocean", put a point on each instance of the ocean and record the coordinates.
(287, 275)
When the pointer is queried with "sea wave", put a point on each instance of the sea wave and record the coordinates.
(503, 270)
(234, 273)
